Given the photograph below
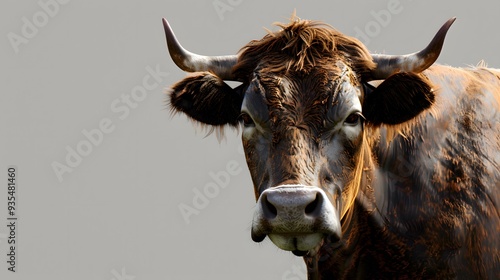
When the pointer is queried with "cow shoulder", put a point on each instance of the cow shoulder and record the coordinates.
(398, 99)
(206, 98)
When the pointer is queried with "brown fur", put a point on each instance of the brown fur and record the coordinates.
(301, 45)
(204, 97)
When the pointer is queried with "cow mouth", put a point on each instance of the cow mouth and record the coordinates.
(296, 242)
(300, 244)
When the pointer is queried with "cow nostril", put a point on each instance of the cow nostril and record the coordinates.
(311, 207)
(268, 208)
(333, 238)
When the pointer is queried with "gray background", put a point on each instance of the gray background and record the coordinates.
(116, 215)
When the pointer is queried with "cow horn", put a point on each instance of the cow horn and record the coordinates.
(415, 62)
(191, 62)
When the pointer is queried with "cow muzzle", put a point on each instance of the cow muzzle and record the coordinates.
(296, 218)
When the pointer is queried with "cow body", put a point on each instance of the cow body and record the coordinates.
(368, 166)
(428, 205)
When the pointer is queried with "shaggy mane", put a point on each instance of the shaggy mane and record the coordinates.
(301, 45)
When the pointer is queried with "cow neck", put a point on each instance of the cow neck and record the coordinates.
(364, 208)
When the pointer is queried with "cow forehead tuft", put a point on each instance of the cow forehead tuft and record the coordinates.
(302, 45)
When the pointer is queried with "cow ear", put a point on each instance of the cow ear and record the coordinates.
(206, 98)
(400, 98)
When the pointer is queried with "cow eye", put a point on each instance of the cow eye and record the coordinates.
(247, 120)
(353, 119)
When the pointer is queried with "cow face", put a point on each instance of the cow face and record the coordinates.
(302, 133)
(303, 105)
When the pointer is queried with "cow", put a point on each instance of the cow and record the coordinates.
(369, 166)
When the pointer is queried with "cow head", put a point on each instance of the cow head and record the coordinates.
(304, 104)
